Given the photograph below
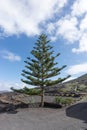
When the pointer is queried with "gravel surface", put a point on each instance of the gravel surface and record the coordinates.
(72, 118)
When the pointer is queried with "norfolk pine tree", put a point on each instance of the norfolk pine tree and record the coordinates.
(42, 67)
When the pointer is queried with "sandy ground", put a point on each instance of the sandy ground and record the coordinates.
(72, 118)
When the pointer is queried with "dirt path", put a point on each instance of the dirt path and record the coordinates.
(73, 118)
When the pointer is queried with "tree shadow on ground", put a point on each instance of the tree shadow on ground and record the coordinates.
(78, 111)
(52, 105)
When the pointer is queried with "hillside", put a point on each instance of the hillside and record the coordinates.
(80, 80)
(79, 83)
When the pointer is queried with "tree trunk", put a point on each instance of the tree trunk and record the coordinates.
(42, 98)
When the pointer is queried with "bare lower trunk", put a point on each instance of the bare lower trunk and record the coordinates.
(42, 98)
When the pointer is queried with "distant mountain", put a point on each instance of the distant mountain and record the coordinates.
(80, 81)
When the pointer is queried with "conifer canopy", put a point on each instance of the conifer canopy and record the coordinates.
(43, 66)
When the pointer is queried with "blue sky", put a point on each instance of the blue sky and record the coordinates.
(21, 22)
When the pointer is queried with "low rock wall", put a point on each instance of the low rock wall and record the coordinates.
(13, 107)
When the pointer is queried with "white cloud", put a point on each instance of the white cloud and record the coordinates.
(10, 56)
(29, 17)
(72, 26)
(83, 24)
(77, 69)
(51, 28)
(25, 16)
(82, 44)
(67, 27)
(5, 85)
(79, 7)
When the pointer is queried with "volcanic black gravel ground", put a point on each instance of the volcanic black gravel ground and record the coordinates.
(71, 118)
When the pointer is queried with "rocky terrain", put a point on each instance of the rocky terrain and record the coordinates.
(9, 101)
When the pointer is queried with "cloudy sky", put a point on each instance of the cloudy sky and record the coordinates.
(65, 23)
